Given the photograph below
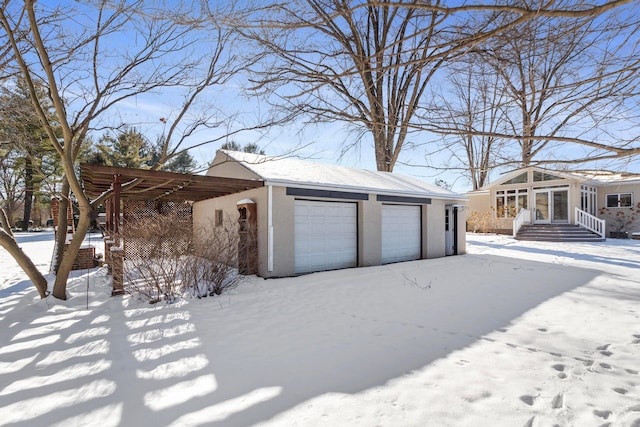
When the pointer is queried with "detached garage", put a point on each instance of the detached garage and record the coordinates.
(312, 217)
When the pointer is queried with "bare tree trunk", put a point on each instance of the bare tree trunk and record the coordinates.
(69, 256)
(28, 192)
(4, 223)
(61, 233)
(8, 242)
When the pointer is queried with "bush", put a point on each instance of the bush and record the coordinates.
(212, 269)
(481, 222)
(155, 246)
(621, 220)
(165, 262)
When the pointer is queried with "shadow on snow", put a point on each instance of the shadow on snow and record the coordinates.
(247, 357)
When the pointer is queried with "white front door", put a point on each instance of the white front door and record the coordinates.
(326, 235)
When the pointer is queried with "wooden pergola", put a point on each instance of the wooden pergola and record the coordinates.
(143, 185)
(150, 185)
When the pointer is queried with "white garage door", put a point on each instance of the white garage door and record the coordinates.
(401, 233)
(326, 235)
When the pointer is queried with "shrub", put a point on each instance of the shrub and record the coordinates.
(621, 220)
(212, 269)
(155, 248)
(481, 222)
(166, 262)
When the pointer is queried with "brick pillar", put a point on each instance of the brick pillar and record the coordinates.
(55, 207)
(71, 224)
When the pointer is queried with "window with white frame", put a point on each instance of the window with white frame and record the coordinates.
(619, 200)
(588, 199)
(510, 202)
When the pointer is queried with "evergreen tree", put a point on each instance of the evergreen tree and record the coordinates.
(129, 149)
(21, 131)
(248, 148)
(182, 163)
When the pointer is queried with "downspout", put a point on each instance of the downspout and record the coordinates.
(269, 228)
(455, 230)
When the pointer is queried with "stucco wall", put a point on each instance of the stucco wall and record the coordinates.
(479, 202)
(369, 227)
(283, 253)
(435, 230)
(614, 215)
(462, 231)
(204, 216)
(283, 234)
(370, 233)
(222, 167)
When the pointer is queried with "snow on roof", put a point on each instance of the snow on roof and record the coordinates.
(609, 177)
(289, 171)
(591, 177)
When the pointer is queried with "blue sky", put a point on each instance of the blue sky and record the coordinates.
(321, 143)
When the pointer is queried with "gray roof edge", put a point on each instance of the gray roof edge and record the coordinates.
(368, 190)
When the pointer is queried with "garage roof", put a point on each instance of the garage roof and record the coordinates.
(144, 184)
(300, 173)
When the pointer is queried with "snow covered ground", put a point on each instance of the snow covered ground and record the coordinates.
(511, 334)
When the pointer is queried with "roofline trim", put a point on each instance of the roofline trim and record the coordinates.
(354, 189)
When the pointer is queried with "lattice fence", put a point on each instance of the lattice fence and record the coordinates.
(152, 228)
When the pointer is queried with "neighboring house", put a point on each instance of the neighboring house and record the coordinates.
(313, 217)
(553, 197)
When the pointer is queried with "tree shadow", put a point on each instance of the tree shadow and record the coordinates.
(247, 357)
(21, 286)
(32, 237)
(627, 262)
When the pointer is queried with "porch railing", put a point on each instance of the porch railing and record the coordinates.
(523, 217)
(590, 222)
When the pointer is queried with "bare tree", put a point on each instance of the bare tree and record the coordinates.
(471, 115)
(368, 64)
(567, 83)
(91, 57)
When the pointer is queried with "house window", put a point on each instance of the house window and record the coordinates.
(219, 216)
(446, 220)
(588, 198)
(520, 179)
(543, 176)
(510, 202)
(620, 200)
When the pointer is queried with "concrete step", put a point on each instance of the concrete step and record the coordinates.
(557, 233)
